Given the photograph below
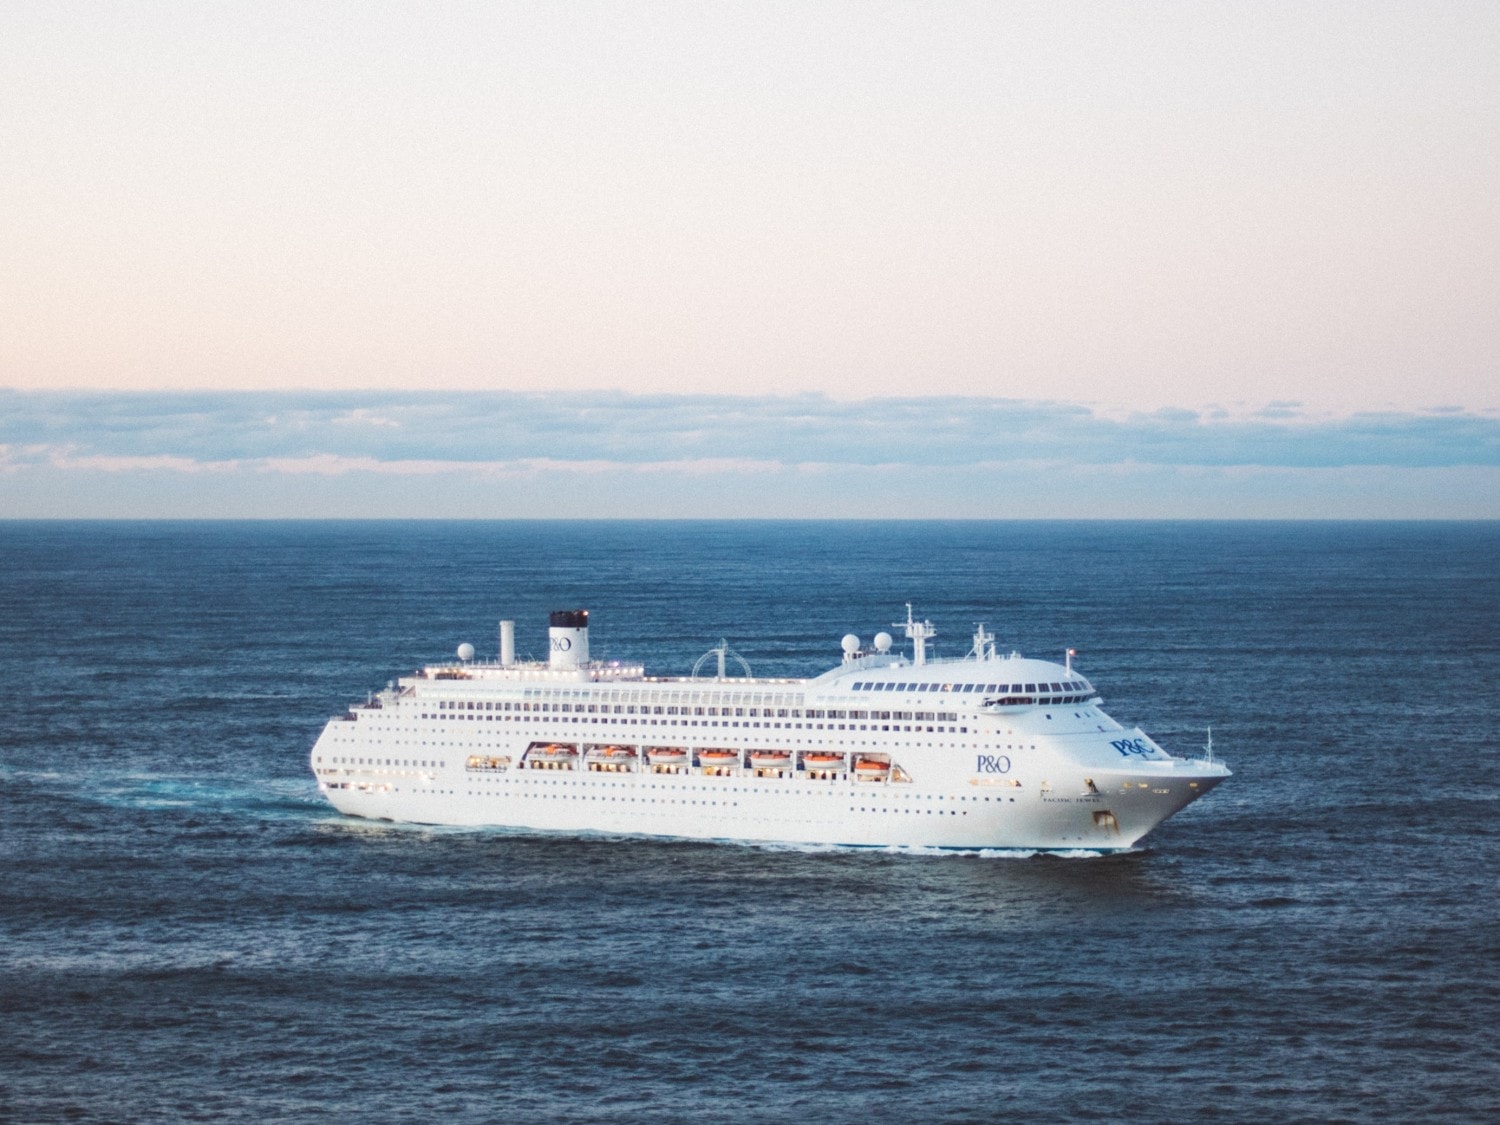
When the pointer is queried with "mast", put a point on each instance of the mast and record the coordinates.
(918, 632)
(984, 643)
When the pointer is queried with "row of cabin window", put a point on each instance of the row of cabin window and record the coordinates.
(743, 712)
(922, 716)
(397, 762)
(985, 689)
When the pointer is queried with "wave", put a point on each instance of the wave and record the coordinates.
(135, 789)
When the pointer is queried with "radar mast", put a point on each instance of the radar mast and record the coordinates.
(919, 633)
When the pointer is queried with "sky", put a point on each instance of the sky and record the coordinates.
(750, 259)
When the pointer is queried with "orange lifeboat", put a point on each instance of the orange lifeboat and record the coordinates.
(666, 756)
(770, 759)
(719, 757)
(610, 758)
(823, 761)
(611, 754)
(869, 767)
(557, 756)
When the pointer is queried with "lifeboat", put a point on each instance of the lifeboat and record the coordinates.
(666, 756)
(611, 754)
(869, 767)
(770, 759)
(719, 757)
(555, 752)
(823, 761)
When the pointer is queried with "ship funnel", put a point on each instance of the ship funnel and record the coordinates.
(507, 642)
(568, 633)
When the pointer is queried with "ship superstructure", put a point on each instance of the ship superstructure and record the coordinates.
(885, 749)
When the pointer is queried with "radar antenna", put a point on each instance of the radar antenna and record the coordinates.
(722, 652)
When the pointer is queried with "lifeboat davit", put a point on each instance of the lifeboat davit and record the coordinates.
(719, 757)
(823, 761)
(770, 759)
(666, 756)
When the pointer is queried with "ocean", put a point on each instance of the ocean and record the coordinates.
(188, 932)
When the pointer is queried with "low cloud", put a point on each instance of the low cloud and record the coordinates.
(333, 465)
(615, 455)
(290, 432)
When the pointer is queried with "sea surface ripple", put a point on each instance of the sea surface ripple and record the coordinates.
(188, 932)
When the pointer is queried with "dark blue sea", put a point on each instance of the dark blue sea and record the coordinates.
(187, 932)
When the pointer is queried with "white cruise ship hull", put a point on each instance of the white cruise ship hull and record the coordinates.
(857, 814)
(989, 752)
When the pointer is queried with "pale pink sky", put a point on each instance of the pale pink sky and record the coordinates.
(1123, 204)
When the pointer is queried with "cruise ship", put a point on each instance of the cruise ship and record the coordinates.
(890, 748)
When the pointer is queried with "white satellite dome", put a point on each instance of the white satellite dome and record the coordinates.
(850, 643)
(466, 652)
(882, 642)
